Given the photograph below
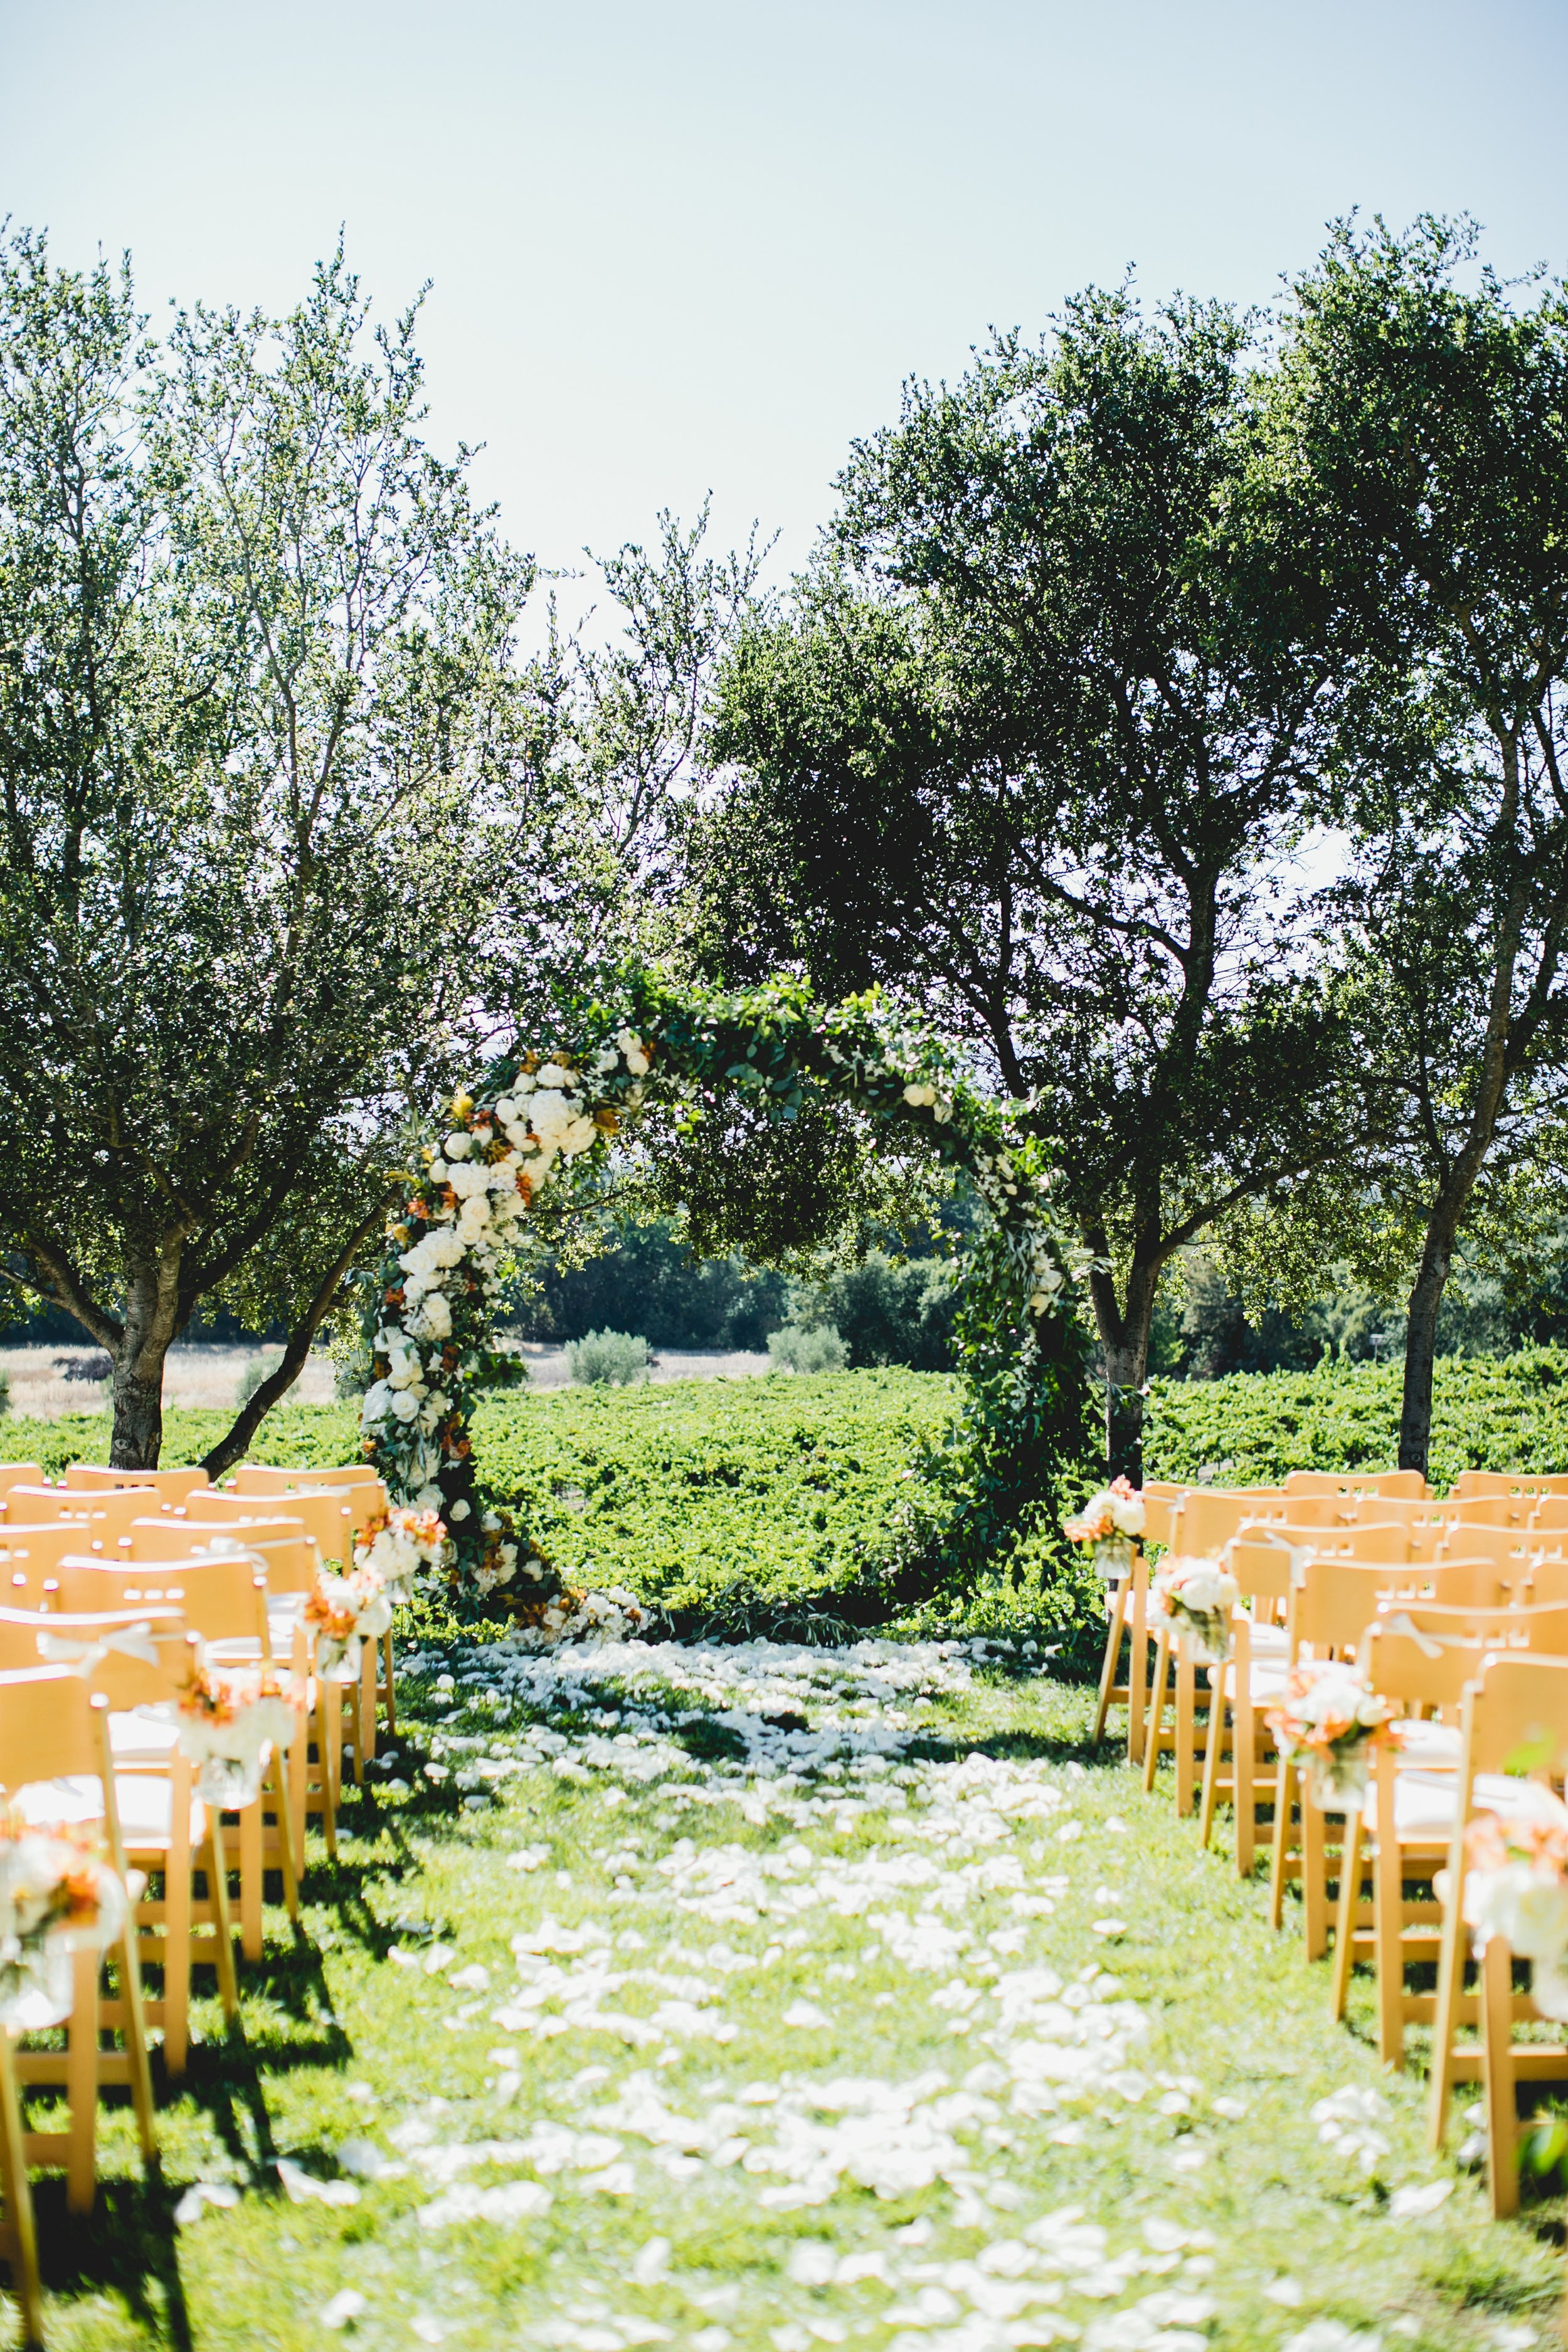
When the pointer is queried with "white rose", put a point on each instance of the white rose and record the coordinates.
(475, 1217)
(506, 1110)
(378, 1401)
(437, 1172)
(459, 1510)
(404, 1372)
(405, 1404)
(429, 1499)
(446, 1249)
(552, 1075)
(474, 1178)
(1127, 1510)
(459, 1144)
(435, 1317)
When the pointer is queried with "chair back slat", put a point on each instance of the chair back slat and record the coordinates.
(20, 1474)
(184, 1539)
(52, 1727)
(223, 1599)
(324, 1514)
(1516, 1718)
(168, 1486)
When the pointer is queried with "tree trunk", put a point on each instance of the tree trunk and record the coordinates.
(1421, 1336)
(137, 1435)
(151, 1319)
(1124, 1336)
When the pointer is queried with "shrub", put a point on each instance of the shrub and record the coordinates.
(892, 1312)
(608, 1359)
(807, 1347)
(250, 1379)
(1489, 1413)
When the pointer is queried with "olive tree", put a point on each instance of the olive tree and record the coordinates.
(1033, 746)
(1422, 420)
(278, 808)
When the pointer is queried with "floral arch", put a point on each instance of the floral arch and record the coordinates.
(531, 1120)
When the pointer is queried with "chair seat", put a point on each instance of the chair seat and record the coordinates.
(1426, 1801)
(1270, 1641)
(141, 1737)
(145, 1802)
(1431, 1746)
(1266, 1680)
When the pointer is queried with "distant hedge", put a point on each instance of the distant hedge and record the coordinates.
(680, 1489)
(1490, 1413)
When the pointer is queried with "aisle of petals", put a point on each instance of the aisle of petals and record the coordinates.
(781, 1997)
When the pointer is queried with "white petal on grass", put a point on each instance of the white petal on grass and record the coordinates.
(651, 2263)
(1411, 2204)
(1286, 2292)
(301, 2187)
(344, 2308)
(806, 2016)
(199, 2196)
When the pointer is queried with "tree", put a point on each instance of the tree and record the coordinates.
(275, 806)
(1032, 747)
(1425, 424)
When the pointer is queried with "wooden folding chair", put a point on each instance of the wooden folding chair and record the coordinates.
(1514, 1731)
(41, 1506)
(363, 1495)
(1399, 1836)
(57, 1765)
(1250, 1682)
(1508, 1482)
(163, 1826)
(288, 1555)
(269, 1479)
(168, 1486)
(1492, 1510)
(1331, 1602)
(226, 1602)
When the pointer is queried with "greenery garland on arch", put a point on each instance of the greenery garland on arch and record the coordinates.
(531, 1120)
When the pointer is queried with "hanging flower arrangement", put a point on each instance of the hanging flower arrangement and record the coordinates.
(1108, 1523)
(230, 1720)
(1329, 1721)
(56, 1894)
(1516, 1887)
(1195, 1597)
(397, 1545)
(345, 1612)
(534, 1122)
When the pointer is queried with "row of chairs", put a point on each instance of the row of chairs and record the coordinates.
(1465, 1635)
(112, 1586)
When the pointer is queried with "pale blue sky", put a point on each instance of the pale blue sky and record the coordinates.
(700, 244)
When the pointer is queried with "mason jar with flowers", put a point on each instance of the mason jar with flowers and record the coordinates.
(1108, 1523)
(1195, 1597)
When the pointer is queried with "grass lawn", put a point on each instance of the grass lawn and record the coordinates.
(779, 1999)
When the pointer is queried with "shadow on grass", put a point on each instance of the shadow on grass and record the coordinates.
(127, 2245)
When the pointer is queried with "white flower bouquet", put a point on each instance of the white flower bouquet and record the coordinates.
(230, 1719)
(1108, 1523)
(345, 1612)
(1516, 1887)
(397, 1545)
(1329, 1722)
(56, 1895)
(1196, 1596)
